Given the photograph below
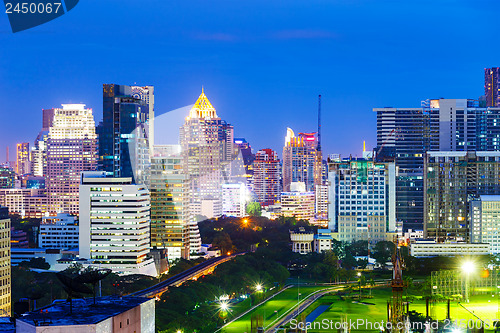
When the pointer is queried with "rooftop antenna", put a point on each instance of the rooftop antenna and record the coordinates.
(319, 124)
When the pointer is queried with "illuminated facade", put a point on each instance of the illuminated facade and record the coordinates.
(362, 199)
(115, 224)
(242, 146)
(71, 149)
(5, 276)
(267, 169)
(30, 203)
(485, 221)
(126, 131)
(39, 154)
(492, 86)
(298, 203)
(169, 210)
(58, 232)
(452, 180)
(207, 147)
(7, 177)
(234, 199)
(23, 158)
(301, 160)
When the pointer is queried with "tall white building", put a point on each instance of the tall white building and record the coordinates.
(362, 199)
(58, 232)
(71, 149)
(115, 224)
(485, 221)
(234, 199)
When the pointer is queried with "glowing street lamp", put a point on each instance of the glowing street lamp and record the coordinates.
(258, 287)
(359, 280)
(467, 268)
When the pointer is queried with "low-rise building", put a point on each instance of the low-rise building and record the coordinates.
(234, 199)
(58, 232)
(323, 240)
(302, 241)
(431, 248)
(298, 203)
(109, 315)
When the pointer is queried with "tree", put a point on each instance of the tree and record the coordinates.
(223, 242)
(383, 252)
(254, 209)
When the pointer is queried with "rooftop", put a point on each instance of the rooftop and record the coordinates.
(84, 312)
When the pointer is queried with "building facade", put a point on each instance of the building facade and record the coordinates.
(485, 221)
(362, 199)
(23, 158)
(114, 225)
(7, 177)
(71, 149)
(30, 203)
(5, 277)
(267, 170)
(452, 180)
(234, 199)
(492, 86)
(298, 203)
(126, 131)
(58, 232)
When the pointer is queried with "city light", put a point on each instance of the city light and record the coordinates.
(224, 306)
(359, 274)
(468, 267)
(258, 287)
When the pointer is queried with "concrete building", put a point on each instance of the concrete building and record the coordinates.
(431, 248)
(485, 221)
(5, 277)
(169, 206)
(323, 240)
(59, 232)
(451, 180)
(298, 203)
(115, 223)
(234, 199)
(30, 203)
(321, 204)
(71, 149)
(362, 199)
(492, 86)
(7, 177)
(266, 177)
(302, 241)
(110, 315)
(300, 160)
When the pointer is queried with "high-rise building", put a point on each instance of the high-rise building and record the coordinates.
(301, 161)
(452, 180)
(114, 225)
(7, 177)
(58, 232)
(71, 149)
(234, 199)
(267, 177)
(298, 202)
(362, 199)
(23, 158)
(47, 118)
(207, 146)
(5, 280)
(405, 134)
(492, 86)
(248, 157)
(30, 203)
(126, 131)
(485, 221)
(39, 154)
(169, 207)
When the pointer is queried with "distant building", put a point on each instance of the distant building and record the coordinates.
(362, 199)
(431, 248)
(5, 276)
(267, 170)
(321, 204)
(298, 203)
(485, 221)
(115, 223)
(126, 131)
(492, 86)
(451, 180)
(242, 146)
(302, 241)
(110, 314)
(23, 158)
(71, 149)
(7, 177)
(301, 161)
(59, 232)
(169, 206)
(30, 203)
(234, 199)
(323, 240)
(18, 238)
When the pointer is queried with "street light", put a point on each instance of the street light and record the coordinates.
(258, 287)
(359, 281)
(467, 268)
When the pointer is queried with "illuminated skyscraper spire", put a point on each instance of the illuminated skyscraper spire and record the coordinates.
(202, 108)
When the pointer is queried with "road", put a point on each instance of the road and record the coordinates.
(180, 278)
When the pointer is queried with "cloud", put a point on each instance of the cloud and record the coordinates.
(304, 34)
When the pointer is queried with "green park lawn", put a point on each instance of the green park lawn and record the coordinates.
(281, 303)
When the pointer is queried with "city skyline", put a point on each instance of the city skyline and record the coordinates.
(357, 62)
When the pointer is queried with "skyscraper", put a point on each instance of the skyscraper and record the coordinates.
(207, 146)
(126, 131)
(71, 149)
(301, 162)
(169, 207)
(452, 180)
(492, 86)
(5, 277)
(267, 177)
(114, 227)
(23, 158)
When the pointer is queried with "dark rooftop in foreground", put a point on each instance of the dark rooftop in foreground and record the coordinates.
(84, 311)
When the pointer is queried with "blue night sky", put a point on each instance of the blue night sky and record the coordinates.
(262, 63)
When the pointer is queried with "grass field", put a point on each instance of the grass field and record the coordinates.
(280, 303)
